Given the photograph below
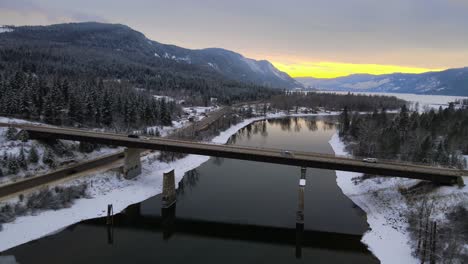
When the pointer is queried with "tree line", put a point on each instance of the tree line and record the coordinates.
(332, 101)
(88, 102)
(435, 137)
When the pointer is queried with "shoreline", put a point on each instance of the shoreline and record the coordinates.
(389, 243)
(107, 188)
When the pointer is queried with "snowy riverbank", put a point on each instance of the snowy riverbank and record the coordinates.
(388, 242)
(106, 188)
(386, 209)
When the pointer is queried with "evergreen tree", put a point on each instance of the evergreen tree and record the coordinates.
(12, 165)
(345, 121)
(33, 155)
(166, 119)
(106, 110)
(4, 160)
(11, 133)
(23, 136)
(48, 158)
(22, 162)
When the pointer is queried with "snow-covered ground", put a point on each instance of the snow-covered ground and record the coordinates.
(14, 147)
(4, 29)
(388, 238)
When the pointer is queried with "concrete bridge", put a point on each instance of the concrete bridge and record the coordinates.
(277, 156)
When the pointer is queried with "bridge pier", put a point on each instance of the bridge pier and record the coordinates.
(132, 163)
(169, 192)
(300, 213)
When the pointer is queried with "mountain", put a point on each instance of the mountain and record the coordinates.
(448, 82)
(90, 43)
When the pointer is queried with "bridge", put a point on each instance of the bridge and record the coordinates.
(277, 156)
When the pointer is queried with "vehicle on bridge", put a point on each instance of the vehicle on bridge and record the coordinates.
(133, 136)
(370, 160)
(287, 153)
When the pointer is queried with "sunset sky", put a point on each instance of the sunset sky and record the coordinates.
(319, 38)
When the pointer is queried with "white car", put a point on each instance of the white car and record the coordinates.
(370, 160)
(286, 153)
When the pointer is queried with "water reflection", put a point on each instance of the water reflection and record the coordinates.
(170, 226)
(311, 124)
(188, 182)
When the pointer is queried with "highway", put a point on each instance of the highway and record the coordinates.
(277, 156)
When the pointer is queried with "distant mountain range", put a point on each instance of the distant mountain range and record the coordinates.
(113, 43)
(448, 82)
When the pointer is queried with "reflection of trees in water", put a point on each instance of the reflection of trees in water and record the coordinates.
(297, 124)
(264, 132)
(248, 131)
(328, 125)
(285, 124)
(218, 161)
(189, 181)
(233, 139)
(311, 124)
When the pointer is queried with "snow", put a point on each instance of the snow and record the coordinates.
(213, 65)
(278, 74)
(157, 55)
(367, 85)
(388, 244)
(302, 182)
(253, 65)
(5, 30)
(388, 238)
(14, 147)
(164, 97)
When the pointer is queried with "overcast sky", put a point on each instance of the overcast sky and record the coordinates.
(295, 34)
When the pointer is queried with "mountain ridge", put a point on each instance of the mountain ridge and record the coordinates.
(448, 82)
(119, 37)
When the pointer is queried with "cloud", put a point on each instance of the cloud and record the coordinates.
(23, 12)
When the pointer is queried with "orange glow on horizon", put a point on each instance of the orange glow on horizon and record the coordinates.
(338, 69)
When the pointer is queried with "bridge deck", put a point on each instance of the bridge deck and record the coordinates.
(303, 159)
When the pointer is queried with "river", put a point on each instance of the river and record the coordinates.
(228, 211)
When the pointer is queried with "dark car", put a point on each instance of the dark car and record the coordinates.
(133, 136)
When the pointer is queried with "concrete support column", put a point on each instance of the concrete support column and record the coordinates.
(169, 191)
(300, 213)
(132, 163)
(168, 215)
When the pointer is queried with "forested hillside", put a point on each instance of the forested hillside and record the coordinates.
(117, 53)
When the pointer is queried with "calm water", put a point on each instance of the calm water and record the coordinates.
(228, 211)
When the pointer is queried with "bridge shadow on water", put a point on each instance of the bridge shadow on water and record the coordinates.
(169, 225)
